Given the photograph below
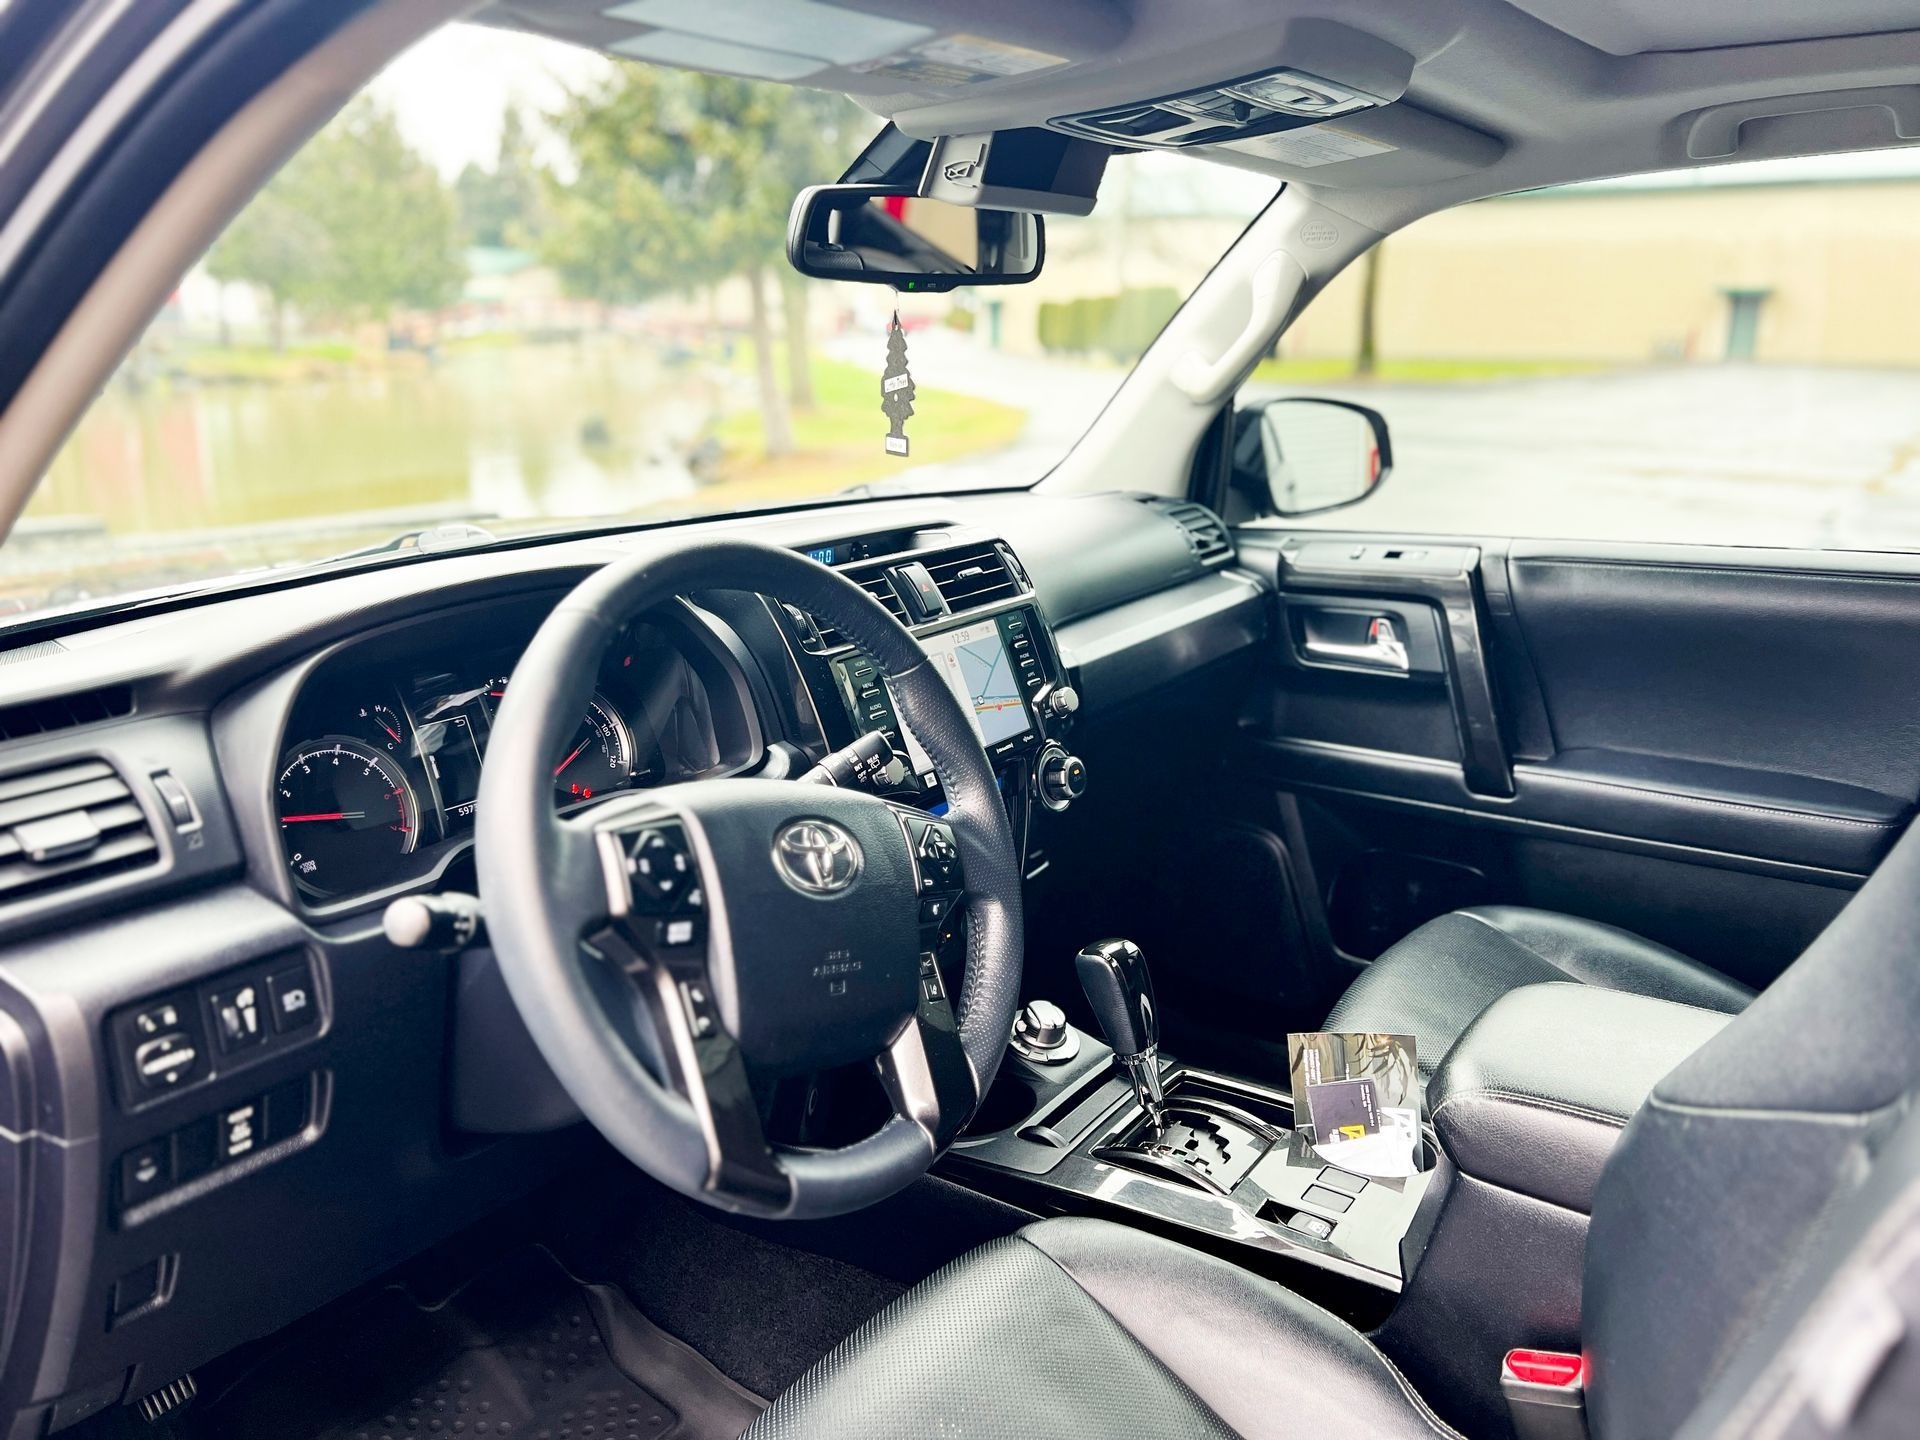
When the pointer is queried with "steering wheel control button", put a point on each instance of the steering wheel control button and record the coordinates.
(239, 1013)
(699, 1006)
(679, 932)
(660, 869)
(290, 999)
(934, 909)
(938, 858)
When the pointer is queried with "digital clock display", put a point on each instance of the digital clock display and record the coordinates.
(825, 554)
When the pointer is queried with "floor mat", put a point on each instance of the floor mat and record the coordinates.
(524, 1350)
(761, 1311)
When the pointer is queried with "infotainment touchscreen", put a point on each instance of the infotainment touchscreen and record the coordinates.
(975, 662)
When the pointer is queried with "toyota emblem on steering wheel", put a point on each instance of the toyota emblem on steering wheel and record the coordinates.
(817, 857)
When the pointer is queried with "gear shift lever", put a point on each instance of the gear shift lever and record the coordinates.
(1114, 975)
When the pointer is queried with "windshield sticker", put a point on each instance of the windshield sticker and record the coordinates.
(896, 388)
(961, 60)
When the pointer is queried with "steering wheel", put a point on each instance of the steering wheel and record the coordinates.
(667, 947)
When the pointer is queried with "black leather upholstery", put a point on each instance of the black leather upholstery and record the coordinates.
(1437, 981)
(1534, 1096)
(1752, 1267)
(1081, 1328)
(1785, 1137)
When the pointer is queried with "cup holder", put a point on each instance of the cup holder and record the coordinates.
(1010, 1100)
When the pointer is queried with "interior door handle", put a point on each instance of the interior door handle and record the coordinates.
(1384, 650)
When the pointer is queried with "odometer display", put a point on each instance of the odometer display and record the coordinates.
(346, 814)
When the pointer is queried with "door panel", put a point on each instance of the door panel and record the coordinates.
(1711, 747)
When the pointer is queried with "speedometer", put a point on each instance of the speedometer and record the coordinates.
(598, 757)
(346, 814)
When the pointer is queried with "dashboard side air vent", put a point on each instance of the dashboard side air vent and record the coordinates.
(66, 825)
(1206, 536)
(65, 711)
(971, 577)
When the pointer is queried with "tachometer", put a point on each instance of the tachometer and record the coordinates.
(346, 814)
(598, 758)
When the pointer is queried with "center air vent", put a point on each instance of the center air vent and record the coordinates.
(972, 577)
(67, 825)
(1206, 536)
(968, 577)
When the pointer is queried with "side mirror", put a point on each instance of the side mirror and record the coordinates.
(1307, 456)
(886, 235)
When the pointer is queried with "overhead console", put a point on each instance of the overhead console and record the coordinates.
(1321, 71)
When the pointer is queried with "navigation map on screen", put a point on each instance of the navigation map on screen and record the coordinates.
(974, 660)
(977, 668)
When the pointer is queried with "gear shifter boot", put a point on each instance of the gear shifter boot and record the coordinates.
(1114, 975)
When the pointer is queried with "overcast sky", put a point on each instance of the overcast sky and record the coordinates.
(450, 91)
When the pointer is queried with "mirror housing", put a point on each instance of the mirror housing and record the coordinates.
(889, 235)
(1306, 456)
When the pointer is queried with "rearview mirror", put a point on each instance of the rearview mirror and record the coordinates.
(889, 236)
(1305, 456)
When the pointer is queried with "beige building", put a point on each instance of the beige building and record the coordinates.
(1808, 273)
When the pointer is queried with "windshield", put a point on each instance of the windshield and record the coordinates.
(518, 284)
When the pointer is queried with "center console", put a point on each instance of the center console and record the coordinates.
(1123, 1130)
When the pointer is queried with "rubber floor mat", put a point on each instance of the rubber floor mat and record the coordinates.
(522, 1351)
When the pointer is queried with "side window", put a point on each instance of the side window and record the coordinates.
(1721, 356)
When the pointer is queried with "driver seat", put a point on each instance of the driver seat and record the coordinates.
(1753, 1266)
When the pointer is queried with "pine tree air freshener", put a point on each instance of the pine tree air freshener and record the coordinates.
(896, 388)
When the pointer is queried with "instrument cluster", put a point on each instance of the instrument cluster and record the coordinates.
(380, 778)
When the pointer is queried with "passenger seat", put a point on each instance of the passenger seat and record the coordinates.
(1435, 983)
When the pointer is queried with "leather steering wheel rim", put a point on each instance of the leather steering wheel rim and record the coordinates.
(544, 878)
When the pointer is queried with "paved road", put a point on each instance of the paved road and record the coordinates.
(1720, 454)
(1751, 455)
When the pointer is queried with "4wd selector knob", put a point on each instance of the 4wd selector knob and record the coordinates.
(1041, 1034)
(1063, 778)
(1042, 1024)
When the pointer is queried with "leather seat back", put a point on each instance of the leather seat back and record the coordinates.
(1758, 1176)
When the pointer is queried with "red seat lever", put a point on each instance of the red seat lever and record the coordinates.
(1546, 1367)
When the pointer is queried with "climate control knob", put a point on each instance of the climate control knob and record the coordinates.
(1063, 778)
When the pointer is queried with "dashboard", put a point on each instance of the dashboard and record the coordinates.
(378, 781)
(225, 1096)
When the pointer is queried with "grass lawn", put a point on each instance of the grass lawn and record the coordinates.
(263, 362)
(1417, 372)
(839, 442)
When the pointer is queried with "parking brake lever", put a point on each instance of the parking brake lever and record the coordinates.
(1114, 975)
